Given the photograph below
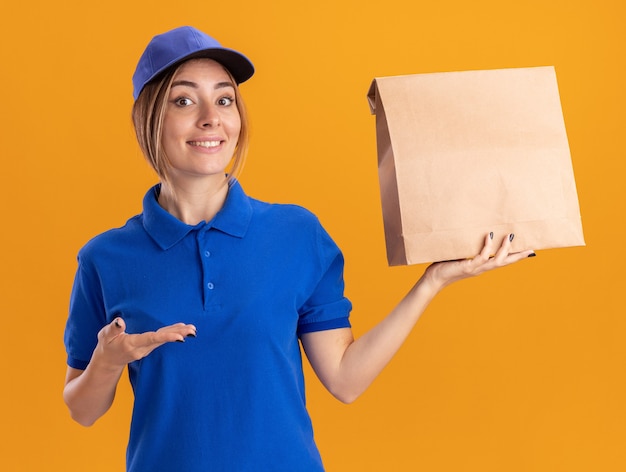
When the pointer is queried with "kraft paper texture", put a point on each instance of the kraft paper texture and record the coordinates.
(461, 154)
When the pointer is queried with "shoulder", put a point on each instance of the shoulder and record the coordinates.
(111, 241)
(285, 221)
(284, 213)
(292, 226)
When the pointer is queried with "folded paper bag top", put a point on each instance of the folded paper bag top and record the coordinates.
(461, 154)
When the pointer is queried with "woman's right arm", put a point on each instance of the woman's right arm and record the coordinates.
(90, 393)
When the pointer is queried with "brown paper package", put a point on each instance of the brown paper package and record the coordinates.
(463, 154)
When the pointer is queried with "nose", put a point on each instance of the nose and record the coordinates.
(209, 117)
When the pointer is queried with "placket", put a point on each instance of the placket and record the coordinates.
(210, 285)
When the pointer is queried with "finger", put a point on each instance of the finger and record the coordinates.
(506, 257)
(487, 251)
(518, 256)
(187, 330)
(119, 323)
(484, 254)
(151, 340)
(192, 331)
(172, 333)
(505, 249)
(112, 330)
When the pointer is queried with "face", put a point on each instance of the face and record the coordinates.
(201, 123)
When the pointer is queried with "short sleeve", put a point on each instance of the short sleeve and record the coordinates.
(86, 316)
(327, 307)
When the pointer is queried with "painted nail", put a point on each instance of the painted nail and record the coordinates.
(491, 235)
(511, 236)
(180, 340)
(117, 323)
(191, 335)
(532, 255)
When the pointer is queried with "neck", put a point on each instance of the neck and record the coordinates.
(193, 204)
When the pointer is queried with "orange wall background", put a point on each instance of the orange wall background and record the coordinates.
(518, 370)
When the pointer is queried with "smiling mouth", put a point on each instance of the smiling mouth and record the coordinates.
(205, 144)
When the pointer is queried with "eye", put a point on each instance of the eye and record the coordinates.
(183, 101)
(225, 101)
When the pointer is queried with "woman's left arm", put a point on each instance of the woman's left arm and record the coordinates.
(347, 366)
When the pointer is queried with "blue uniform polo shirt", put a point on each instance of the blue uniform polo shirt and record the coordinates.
(251, 280)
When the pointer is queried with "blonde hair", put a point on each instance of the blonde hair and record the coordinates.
(148, 114)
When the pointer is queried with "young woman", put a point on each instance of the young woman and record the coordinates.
(225, 286)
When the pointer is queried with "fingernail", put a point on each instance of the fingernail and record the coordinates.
(180, 340)
(491, 235)
(117, 323)
(532, 255)
(511, 236)
(191, 335)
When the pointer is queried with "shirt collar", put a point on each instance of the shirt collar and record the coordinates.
(167, 230)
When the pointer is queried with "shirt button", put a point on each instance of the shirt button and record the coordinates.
(207, 253)
(210, 286)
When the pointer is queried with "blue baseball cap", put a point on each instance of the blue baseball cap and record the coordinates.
(175, 46)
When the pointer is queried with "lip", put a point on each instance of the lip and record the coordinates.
(206, 144)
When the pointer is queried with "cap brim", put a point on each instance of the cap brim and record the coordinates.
(236, 63)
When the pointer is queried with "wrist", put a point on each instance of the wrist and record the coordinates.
(431, 281)
(428, 286)
(100, 363)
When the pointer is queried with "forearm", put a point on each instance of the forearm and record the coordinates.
(347, 367)
(90, 394)
(368, 355)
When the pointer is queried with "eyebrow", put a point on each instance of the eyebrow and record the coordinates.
(189, 83)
